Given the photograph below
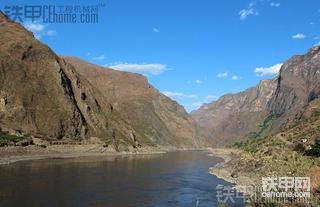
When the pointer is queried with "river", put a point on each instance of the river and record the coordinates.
(159, 180)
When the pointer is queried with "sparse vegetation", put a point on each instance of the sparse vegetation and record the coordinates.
(288, 153)
(6, 138)
(263, 157)
(314, 151)
(264, 127)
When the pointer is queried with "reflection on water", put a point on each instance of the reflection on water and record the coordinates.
(161, 180)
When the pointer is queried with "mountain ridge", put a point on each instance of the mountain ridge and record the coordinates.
(264, 109)
(50, 97)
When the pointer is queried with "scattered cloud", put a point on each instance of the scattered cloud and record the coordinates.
(100, 57)
(299, 36)
(244, 13)
(250, 10)
(274, 4)
(175, 95)
(222, 75)
(39, 30)
(198, 81)
(235, 77)
(145, 69)
(34, 27)
(51, 33)
(268, 71)
(155, 30)
(225, 75)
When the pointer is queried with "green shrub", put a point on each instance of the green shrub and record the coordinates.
(6, 138)
(314, 151)
(265, 125)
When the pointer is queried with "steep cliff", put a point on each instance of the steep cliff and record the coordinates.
(297, 85)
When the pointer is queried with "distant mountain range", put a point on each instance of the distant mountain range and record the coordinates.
(266, 108)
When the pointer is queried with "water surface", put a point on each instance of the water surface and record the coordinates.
(160, 180)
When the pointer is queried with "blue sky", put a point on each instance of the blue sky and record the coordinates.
(194, 51)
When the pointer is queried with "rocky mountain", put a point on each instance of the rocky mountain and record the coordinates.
(154, 116)
(44, 95)
(298, 85)
(266, 108)
(233, 116)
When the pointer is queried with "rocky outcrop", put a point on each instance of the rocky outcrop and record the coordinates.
(46, 96)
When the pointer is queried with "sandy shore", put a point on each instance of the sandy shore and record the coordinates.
(18, 158)
(226, 169)
(9, 155)
(222, 170)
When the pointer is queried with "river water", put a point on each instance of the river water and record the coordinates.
(159, 180)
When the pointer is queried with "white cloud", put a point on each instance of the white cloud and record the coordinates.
(198, 81)
(51, 33)
(244, 13)
(235, 77)
(180, 95)
(252, 8)
(100, 57)
(272, 70)
(274, 4)
(34, 27)
(155, 30)
(153, 69)
(299, 36)
(223, 75)
(39, 30)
